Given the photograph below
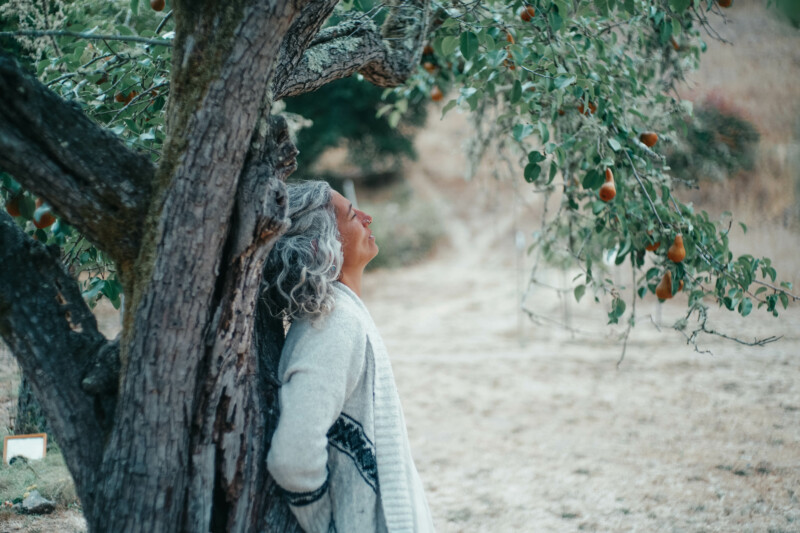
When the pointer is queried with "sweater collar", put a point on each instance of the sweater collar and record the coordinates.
(349, 292)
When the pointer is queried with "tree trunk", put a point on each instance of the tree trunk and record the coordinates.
(167, 429)
(30, 417)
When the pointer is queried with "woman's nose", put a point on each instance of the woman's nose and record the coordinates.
(365, 218)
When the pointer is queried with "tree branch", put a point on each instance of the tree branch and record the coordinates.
(304, 27)
(86, 173)
(54, 336)
(89, 36)
(385, 57)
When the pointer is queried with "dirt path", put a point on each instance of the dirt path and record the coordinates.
(531, 428)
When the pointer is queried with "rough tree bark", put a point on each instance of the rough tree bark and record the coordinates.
(167, 428)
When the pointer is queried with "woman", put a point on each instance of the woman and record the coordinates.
(340, 450)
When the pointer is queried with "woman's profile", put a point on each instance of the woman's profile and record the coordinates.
(340, 450)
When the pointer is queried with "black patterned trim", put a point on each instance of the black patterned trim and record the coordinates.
(299, 499)
(348, 436)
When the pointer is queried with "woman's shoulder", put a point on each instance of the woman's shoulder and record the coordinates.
(346, 317)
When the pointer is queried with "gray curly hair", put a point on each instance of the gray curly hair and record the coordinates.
(307, 259)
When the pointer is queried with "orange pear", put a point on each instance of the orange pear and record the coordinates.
(608, 190)
(677, 252)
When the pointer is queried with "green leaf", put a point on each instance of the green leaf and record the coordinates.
(544, 132)
(95, 286)
(469, 44)
(553, 172)
(27, 207)
(535, 157)
(562, 6)
(665, 33)
(564, 81)
(679, 5)
(532, 171)
(448, 45)
(602, 7)
(394, 118)
(521, 131)
(579, 291)
(614, 144)
(111, 289)
(135, 7)
(555, 20)
(676, 27)
(516, 92)
(617, 310)
(746, 306)
(592, 180)
(450, 105)
(122, 29)
(744, 226)
(383, 110)
(629, 7)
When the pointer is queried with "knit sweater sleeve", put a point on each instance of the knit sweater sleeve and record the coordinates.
(324, 364)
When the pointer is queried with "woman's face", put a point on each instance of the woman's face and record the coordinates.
(358, 243)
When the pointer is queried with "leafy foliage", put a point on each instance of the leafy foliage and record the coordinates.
(566, 86)
(121, 85)
(348, 113)
(569, 91)
(790, 9)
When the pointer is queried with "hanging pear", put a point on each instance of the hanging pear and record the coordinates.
(664, 289)
(677, 252)
(608, 190)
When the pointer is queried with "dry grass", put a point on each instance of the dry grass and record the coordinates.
(757, 76)
(758, 71)
(49, 476)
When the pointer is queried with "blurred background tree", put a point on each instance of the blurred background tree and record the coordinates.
(345, 114)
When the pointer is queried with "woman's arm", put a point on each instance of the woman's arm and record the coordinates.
(323, 368)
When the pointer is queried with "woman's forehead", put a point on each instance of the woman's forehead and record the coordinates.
(341, 205)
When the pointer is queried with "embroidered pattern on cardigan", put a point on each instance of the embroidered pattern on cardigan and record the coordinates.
(347, 436)
(299, 499)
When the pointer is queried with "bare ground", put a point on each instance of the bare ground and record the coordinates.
(518, 426)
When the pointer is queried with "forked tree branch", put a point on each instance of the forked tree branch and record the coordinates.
(385, 57)
(304, 27)
(54, 337)
(86, 173)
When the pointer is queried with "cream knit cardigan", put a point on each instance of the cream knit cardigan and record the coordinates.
(340, 451)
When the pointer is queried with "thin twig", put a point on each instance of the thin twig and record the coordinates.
(644, 189)
(90, 36)
(163, 22)
(631, 320)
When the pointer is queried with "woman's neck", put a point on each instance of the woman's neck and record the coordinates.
(352, 280)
